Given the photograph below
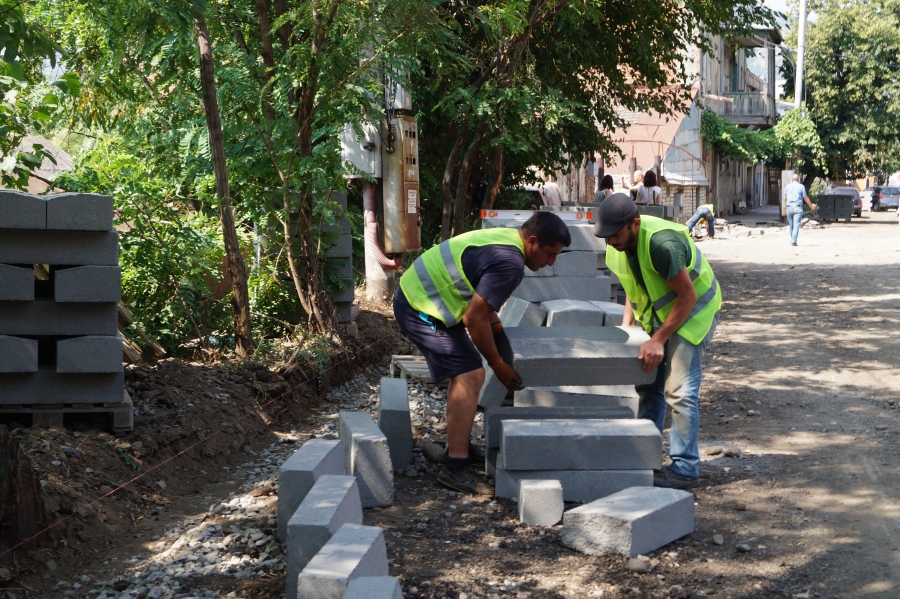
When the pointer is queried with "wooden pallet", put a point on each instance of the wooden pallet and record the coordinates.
(412, 367)
(52, 414)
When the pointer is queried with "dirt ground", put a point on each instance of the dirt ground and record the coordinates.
(800, 390)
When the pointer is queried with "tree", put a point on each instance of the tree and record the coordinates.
(852, 87)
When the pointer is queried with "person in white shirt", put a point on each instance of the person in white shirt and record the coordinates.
(648, 192)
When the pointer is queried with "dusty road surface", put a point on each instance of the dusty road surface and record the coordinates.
(799, 439)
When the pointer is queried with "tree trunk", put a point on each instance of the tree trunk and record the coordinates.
(447, 183)
(268, 55)
(462, 207)
(495, 177)
(22, 513)
(240, 298)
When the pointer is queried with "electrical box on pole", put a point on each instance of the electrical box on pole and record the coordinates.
(400, 185)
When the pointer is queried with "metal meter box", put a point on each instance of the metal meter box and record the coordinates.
(400, 185)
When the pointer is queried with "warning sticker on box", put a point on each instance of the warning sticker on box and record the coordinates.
(411, 201)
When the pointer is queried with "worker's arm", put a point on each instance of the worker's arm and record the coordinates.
(478, 319)
(653, 351)
(628, 314)
(808, 203)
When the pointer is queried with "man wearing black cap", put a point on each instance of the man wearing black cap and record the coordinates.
(672, 292)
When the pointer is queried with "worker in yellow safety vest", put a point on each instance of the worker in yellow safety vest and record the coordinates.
(447, 303)
(705, 212)
(672, 292)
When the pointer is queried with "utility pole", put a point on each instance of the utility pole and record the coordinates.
(801, 47)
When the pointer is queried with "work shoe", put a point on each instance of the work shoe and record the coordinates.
(672, 480)
(475, 453)
(464, 481)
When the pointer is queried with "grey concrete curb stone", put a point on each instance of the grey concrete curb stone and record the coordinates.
(517, 312)
(541, 289)
(59, 248)
(22, 210)
(368, 458)
(492, 393)
(583, 240)
(630, 522)
(572, 313)
(394, 420)
(92, 284)
(16, 283)
(91, 353)
(595, 396)
(332, 502)
(580, 445)
(19, 355)
(547, 271)
(613, 313)
(546, 357)
(299, 473)
(46, 386)
(353, 552)
(46, 317)
(79, 212)
(374, 587)
(540, 502)
(493, 416)
(576, 264)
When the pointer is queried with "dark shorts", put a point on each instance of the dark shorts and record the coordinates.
(448, 351)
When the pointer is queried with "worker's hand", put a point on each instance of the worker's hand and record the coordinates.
(502, 343)
(651, 354)
(506, 375)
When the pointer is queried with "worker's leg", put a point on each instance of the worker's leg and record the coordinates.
(711, 225)
(693, 222)
(652, 403)
(462, 403)
(682, 390)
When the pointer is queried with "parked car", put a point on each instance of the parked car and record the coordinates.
(890, 197)
(854, 193)
(870, 194)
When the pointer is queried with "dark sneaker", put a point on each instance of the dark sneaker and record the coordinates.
(464, 481)
(672, 480)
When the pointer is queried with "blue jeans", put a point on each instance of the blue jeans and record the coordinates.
(703, 213)
(794, 216)
(678, 385)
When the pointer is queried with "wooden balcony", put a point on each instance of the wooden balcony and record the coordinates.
(748, 109)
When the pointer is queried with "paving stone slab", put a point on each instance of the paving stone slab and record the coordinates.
(612, 311)
(374, 587)
(16, 283)
(394, 420)
(576, 264)
(297, 475)
(517, 312)
(541, 289)
(46, 386)
(22, 210)
(572, 313)
(353, 552)
(580, 486)
(88, 284)
(583, 240)
(631, 522)
(60, 248)
(587, 444)
(90, 353)
(547, 271)
(493, 416)
(332, 502)
(546, 357)
(540, 502)
(18, 354)
(79, 212)
(595, 396)
(368, 458)
(46, 317)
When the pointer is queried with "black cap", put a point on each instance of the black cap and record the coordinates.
(615, 212)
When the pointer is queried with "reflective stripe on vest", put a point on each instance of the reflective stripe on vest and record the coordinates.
(437, 285)
(658, 298)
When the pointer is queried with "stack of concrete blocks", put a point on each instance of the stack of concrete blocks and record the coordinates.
(60, 283)
(341, 258)
(320, 520)
(367, 457)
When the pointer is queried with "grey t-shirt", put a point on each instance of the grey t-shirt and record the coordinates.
(494, 271)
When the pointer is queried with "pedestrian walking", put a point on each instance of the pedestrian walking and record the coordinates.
(795, 195)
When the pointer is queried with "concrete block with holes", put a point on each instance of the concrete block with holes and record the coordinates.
(493, 416)
(22, 210)
(541, 289)
(551, 356)
(61, 248)
(517, 312)
(353, 552)
(90, 353)
(595, 396)
(374, 587)
(394, 420)
(630, 522)
(367, 457)
(79, 212)
(46, 386)
(576, 264)
(87, 284)
(45, 317)
(612, 311)
(298, 474)
(540, 502)
(585, 444)
(572, 313)
(16, 283)
(332, 502)
(342, 247)
(18, 354)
